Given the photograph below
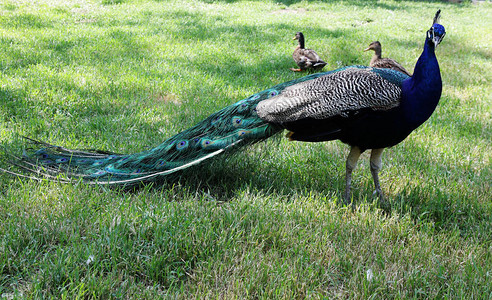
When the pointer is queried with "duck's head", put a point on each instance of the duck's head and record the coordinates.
(437, 32)
(373, 46)
(299, 36)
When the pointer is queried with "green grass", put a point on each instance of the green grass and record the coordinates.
(267, 222)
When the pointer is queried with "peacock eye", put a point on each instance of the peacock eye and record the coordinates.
(182, 145)
(205, 143)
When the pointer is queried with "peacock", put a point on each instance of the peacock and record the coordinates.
(378, 62)
(364, 107)
(306, 59)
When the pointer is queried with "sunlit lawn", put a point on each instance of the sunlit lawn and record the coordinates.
(267, 222)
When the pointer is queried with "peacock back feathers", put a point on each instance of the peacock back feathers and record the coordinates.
(336, 93)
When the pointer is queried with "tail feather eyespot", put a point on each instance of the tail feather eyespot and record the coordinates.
(181, 145)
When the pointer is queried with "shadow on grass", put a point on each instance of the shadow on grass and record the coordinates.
(432, 201)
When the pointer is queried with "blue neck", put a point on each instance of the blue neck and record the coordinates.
(422, 91)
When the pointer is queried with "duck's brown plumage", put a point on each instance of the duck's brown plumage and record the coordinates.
(387, 63)
(306, 59)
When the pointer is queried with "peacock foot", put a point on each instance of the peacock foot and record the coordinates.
(347, 199)
(379, 194)
(382, 202)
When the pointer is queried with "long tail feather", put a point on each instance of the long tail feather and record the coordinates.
(230, 128)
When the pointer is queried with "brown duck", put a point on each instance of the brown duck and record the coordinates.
(388, 63)
(306, 59)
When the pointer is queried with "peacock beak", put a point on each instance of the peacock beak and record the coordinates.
(437, 39)
(367, 49)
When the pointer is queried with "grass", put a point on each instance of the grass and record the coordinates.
(266, 223)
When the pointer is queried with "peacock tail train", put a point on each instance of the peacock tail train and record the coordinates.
(230, 128)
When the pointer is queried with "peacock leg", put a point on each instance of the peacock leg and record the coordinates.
(375, 167)
(296, 70)
(350, 165)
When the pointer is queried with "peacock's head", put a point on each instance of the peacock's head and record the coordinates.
(437, 32)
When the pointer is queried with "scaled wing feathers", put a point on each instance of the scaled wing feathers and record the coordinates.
(330, 95)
